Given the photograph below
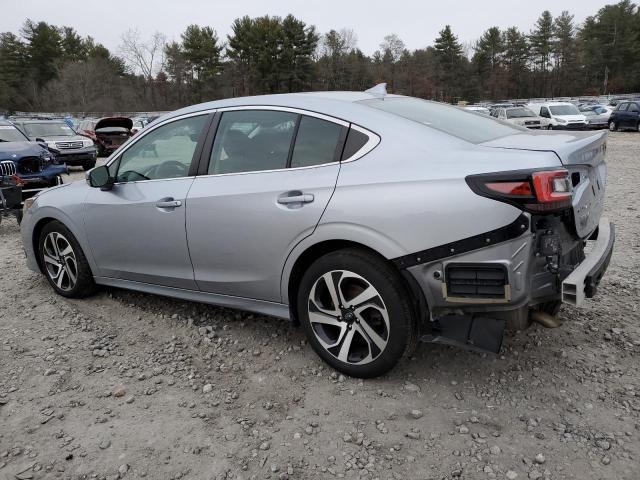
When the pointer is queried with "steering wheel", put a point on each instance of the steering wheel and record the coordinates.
(170, 169)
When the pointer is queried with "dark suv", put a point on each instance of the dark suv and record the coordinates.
(625, 116)
(33, 163)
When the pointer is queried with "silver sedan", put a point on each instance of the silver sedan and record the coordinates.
(371, 220)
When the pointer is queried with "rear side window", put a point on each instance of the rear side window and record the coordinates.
(446, 118)
(252, 140)
(316, 142)
(355, 141)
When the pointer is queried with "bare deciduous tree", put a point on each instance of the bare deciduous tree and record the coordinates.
(143, 56)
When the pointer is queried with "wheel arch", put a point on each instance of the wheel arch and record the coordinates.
(316, 250)
(49, 215)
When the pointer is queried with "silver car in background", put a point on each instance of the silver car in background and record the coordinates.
(372, 220)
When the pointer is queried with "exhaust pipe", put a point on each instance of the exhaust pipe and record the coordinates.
(544, 319)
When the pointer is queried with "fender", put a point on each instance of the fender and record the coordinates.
(72, 218)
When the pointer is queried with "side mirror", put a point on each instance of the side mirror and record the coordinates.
(99, 178)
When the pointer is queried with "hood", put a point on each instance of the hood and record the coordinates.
(15, 150)
(110, 122)
(571, 118)
(62, 138)
(573, 148)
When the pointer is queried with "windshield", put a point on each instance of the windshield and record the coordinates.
(564, 110)
(9, 133)
(48, 129)
(519, 113)
(455, 121)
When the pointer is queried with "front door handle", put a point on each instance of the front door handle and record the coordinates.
(303, 198)
(169, 204)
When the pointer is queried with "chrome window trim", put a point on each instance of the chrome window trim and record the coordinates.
(373, 141)
(300, 111)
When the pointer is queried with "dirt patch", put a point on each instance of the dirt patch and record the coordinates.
(127, 385)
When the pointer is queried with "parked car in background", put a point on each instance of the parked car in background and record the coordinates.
(477, 109)
(374, 220)
(521, 116)
(626, 116)
(108, 133)
(597, 115)
(71, 148)
(35, 165)
(560, 115)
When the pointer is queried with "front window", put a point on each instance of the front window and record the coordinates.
(564, 110)
(9, 133)
(48, 130)
(445, 118)
(519, 113)
(166, 152)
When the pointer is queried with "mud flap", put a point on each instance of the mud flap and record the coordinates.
(481, 334)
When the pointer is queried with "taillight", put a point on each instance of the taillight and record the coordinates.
(533, 190)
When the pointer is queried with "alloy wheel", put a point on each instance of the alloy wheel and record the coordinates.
(348, 317)
(612, 126)
(60, 261)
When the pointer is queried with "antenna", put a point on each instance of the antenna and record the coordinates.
(380, 90)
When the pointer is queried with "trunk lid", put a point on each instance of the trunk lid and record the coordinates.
(583, 154)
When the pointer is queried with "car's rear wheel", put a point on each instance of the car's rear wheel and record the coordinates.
(612, 126)
(356, 313)
(63, 262)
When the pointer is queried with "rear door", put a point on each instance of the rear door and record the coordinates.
(270, 175)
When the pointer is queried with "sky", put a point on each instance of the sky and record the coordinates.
(416, 22)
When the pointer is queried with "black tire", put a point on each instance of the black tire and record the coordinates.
(19, 216)
(638, 127)
(84, 284)
(401, 330)
(88, 165)
(613, 127)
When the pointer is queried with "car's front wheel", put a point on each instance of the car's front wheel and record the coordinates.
(356, 313)
(63, 262)
(612, 126)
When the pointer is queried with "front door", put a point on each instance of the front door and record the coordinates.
(270, 176)
(136, 230)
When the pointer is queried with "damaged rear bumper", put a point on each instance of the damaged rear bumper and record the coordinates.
(583, 281)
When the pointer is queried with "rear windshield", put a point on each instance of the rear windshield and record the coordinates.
(9, 133)
(469, 126)
(519, 113)
(564, 110)
(48, 129)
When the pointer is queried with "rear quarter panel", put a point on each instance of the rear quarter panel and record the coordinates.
(410, 194)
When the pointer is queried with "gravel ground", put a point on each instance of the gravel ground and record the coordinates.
(127, 385)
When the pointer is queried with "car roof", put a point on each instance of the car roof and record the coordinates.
(339, 104)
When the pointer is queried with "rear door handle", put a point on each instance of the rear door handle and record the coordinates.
(304, 198)
(169, 204)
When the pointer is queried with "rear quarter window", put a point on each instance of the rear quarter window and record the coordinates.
(452, 120)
